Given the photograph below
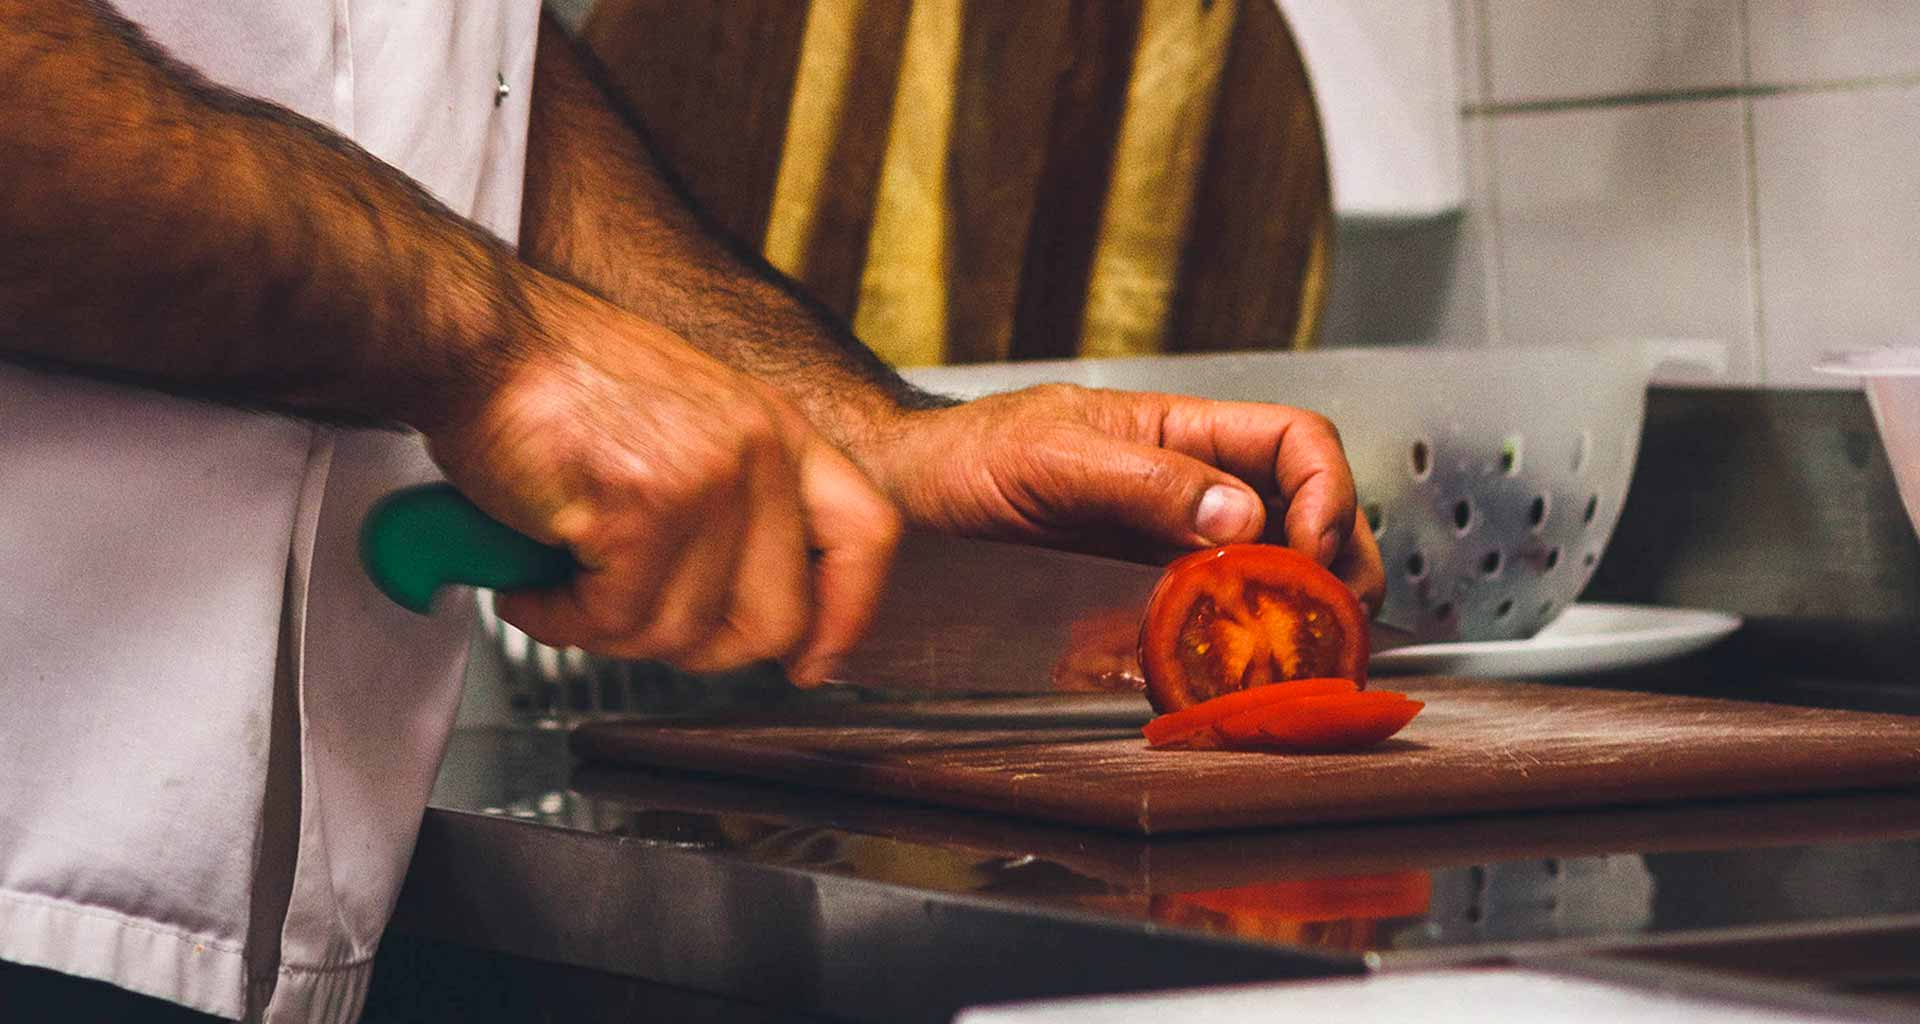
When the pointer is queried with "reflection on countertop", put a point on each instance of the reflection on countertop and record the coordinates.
(1414, 891)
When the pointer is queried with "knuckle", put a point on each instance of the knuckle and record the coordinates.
(1039, 404)
(882, 523)
(1325, 426)
(755, 428)
(1058, 392)
(616, 484)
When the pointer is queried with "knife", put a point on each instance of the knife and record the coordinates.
(957, 615)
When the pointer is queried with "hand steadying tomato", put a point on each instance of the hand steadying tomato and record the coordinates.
(1246, 615)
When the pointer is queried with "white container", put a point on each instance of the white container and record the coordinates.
(1494, 476)
(1892, 379)
(1384, 83)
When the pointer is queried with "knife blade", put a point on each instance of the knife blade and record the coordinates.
(960, 615)
(956, 616)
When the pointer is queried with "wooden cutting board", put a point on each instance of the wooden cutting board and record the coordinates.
(1479, 746)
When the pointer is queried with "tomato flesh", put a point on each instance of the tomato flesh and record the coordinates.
(1247, 615)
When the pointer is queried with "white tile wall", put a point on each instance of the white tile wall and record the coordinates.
(1467, 51)
(1625, 221)
(1839, 224)
(1418, 282)
(1560, 49)
(1804, 41)
(1467, 316)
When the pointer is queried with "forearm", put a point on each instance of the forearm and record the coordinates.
(164, 231)
(600, 211)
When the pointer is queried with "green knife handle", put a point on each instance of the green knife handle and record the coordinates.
(417, 540)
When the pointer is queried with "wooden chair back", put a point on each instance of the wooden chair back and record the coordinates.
(974, 180)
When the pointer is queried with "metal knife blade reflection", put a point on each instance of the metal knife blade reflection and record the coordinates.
(971, 616)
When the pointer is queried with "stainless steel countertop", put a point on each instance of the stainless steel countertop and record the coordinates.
(873, 910)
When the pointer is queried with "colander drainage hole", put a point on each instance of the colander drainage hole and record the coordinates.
(1422, 460)
(1588, 559)
(1490, 563)
(1463, 516)
(1376, 517)
(1593, 507)
(1416, 566)
(1443, 611)
(1510, 455)
(1537, 512)
(1553, 558)
(1503, 609)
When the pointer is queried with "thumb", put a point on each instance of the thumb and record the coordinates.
(1161, 494)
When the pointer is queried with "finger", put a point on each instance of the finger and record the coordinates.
(572, 614)
(1292, 454)
(695, 593)
(634, 561)
(853, 531)
(1358, 564)
(772, 595)
(1158, 493)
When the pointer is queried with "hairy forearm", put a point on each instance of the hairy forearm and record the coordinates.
(600, 210)
(167, 232)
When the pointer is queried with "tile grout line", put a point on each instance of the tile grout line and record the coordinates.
(1481, 150)
(1746, 91)
(1757, 317)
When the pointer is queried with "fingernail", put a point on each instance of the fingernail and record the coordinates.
(1224, 514)
(1329, 545)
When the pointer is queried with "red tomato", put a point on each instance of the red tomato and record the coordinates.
(1197, 724)
(1245, 615)
(1351, 721)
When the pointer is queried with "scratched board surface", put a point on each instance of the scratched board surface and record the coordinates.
(1479, 746)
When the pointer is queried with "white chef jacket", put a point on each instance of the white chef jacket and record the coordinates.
(217, 739)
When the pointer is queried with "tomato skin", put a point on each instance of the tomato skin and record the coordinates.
(1191, 725)
(1324, 725)
(1231, 618)
(1304, 716)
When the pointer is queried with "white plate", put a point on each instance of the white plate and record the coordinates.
(1586, 638)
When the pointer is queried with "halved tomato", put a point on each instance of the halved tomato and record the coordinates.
(1245, 615)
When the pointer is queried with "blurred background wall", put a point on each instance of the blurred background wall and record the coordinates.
(1732, 169)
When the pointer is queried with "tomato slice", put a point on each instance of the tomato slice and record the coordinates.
(1227, 619)
(1326, 724)
(1190, 723)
